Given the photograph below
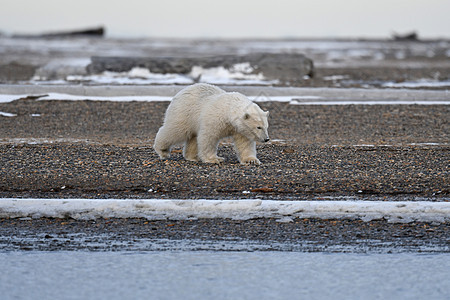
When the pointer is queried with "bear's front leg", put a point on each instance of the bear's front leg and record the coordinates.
(207, 149)
(246, 150)
(162, 143)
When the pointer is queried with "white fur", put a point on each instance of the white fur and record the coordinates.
(201, 115)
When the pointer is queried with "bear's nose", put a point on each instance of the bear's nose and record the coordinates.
(266, 140)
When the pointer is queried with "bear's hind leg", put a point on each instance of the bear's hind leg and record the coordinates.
(190, 151)
(246, 150)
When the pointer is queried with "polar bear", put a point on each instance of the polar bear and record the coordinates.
(201, 115)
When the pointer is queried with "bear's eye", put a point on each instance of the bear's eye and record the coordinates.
(259, 127)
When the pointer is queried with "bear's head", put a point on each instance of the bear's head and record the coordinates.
(254, 124)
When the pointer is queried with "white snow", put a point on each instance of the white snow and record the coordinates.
(67, 97)
(335, 77)
(421, 83)
(156, 209)
(136, 76)
(428, 144)
(297, 101)
(267, 98)
(5, 114)
(36, 141)
(239, 74)
(396, 145)
(10, 98)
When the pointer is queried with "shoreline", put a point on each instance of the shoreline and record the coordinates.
(263, 234)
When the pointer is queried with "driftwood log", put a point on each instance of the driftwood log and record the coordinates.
(88, 32)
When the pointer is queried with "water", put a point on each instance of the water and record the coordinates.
(222, 275)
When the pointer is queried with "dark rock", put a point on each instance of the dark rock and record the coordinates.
(411, 36)
(281, 66)
(93, 32)
(14, 71)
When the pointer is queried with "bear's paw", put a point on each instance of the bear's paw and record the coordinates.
(250, 161)
(215, 160)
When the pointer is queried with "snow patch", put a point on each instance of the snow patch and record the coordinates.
(428, 144)
(37, 141)
(266, 98)
(335, 77)
(67, 97)
(421, 83)
(5, 114)
(400, 212)
(136, 76)
(11, 98)
(297, 101)
(238, 74)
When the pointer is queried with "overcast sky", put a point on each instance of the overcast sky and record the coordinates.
(230, 18)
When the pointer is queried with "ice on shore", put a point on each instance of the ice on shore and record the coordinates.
(422, 83)
(69, 97)
(158, 209)
(297, 101)
(238, 74)
(136, 76)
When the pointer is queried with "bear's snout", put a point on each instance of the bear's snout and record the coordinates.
(266, 140)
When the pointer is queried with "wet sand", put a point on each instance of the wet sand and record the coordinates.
(305, 235)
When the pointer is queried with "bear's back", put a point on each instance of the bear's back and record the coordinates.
(196, 93)
(188, 104)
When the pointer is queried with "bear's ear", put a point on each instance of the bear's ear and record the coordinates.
(267, 113)
(246, 116)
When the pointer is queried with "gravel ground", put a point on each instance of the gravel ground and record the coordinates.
(97, 171)
(131, 123)
(375, 76)
(317, 150)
